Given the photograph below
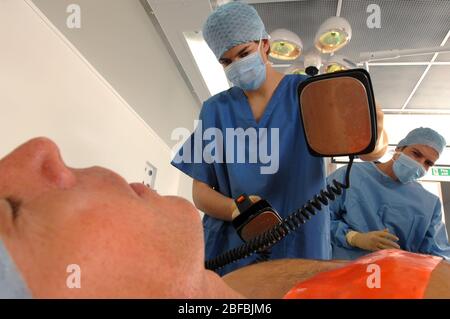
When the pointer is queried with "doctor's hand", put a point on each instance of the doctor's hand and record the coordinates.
(235, 210)
(374, 240)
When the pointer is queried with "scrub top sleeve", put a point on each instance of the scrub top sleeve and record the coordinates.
(202, 172)
(339, 227)
(12, 284)
(189, 158)
(436, 238)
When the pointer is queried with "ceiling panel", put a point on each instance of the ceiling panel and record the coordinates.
(404, 23)
(444, 57)
(434, 92)
(392, 85)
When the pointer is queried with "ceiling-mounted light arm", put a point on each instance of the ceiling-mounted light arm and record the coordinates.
(312, 62)
(394, 54)
(339, 8)
(349, 62)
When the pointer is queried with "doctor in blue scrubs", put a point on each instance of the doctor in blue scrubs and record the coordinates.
(262, 103)
(386, 208)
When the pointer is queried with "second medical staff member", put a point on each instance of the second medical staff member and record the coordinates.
(261, 98)
(386, 208)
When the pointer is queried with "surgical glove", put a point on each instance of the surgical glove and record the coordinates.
(372, 241)
(235, 210)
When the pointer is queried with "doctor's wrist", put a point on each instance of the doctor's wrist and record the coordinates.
(350, 236)
(233, 209)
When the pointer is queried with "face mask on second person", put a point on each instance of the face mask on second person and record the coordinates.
(248, 73)
(407, 170)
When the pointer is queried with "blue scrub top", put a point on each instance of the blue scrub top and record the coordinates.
(12, 285)
(299, 176)
(375, 201)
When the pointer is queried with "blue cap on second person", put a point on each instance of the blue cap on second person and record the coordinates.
(232, 24)
(424, 136)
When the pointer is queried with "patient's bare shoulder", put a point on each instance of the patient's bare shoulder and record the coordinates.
(273, 279)
(439, 284)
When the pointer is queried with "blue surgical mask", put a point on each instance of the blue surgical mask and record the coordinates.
(407, 170)
(248, 73)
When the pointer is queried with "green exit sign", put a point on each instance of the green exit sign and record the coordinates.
(441, 171)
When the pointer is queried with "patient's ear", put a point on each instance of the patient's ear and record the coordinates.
(6, 217)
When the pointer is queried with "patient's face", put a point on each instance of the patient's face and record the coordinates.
(120, 235)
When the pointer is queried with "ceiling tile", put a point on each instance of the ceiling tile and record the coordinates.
(393, 84)
(434, 91)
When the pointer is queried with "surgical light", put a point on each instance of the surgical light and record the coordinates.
(285, 45)
(299, 70)
(296, 68)
(333, 35)
(338, 63)
(334, 67)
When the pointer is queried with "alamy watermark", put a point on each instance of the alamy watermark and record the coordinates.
(374, 19)
(73, 280)
(374, 279)
(235, 145)
(73, 21)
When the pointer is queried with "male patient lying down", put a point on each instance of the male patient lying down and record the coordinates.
(130, 242)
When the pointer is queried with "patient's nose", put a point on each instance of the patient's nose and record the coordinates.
(37, 162)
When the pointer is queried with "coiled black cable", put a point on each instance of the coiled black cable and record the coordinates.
(263, 255)
(264, 241)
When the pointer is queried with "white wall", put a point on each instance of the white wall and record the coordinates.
(120, 41)
(118, 38)
(48, 89)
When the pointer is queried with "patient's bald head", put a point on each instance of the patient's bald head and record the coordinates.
(127, 240)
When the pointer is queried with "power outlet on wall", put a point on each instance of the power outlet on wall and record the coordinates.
(149, 175)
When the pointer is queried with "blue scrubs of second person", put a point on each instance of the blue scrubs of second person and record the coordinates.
(375, 201)
(299, 176)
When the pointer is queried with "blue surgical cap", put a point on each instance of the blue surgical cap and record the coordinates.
(11, 284)
(425, 136)
(232, 24)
